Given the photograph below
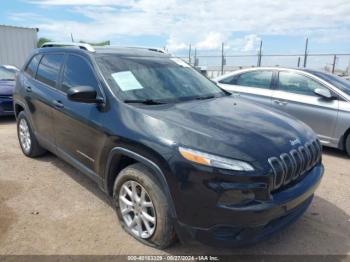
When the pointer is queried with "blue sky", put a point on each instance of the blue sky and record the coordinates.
(283, 25)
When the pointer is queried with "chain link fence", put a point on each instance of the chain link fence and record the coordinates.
(216, 65)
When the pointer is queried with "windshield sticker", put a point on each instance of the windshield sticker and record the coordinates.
(180, 62)
(126, 81)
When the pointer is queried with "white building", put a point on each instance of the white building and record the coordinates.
(16, 43)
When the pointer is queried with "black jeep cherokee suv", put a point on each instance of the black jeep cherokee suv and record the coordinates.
(179, 156)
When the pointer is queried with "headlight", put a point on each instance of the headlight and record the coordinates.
(214, 161)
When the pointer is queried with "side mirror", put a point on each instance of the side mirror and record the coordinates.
(85, 94)
(323, 93)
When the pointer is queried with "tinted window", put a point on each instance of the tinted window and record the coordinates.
(33, 65)
(258, 79)
(77, 72)
(299, 84)
(49, 69)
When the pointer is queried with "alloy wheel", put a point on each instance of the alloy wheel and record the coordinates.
(137, 209)
(24, 135)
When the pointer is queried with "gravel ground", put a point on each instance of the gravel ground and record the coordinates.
(48, 207)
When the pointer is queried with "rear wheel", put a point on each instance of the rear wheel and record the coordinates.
(142, 207)
(27, 140)
(347, 144)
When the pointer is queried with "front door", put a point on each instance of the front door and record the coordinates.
(295, 95)
(78, 134)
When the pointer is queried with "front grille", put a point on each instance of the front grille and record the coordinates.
(290, 166)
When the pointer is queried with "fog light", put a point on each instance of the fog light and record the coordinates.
(236, 197)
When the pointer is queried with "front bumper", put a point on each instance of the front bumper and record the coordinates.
(251, 223)
(6, 106)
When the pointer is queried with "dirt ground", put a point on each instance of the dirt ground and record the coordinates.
(48, 207)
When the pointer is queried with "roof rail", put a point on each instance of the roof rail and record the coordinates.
(154, 49)
(83, 46)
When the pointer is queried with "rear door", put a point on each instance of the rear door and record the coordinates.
(295, 95)
(78, 133)
(40, 85)
(254, 85)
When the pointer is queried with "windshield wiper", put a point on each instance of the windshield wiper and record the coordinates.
(7, 79)
(145, 101)
(205, 97)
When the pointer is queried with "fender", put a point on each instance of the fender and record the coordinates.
(20, 103)
(148, 163)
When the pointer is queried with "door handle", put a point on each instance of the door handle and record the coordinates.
(283, 103)
(58, 104)
(28, 89)
(280, 102)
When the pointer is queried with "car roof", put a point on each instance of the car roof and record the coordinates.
(306, 70)
(120, 51)
(280, 68)
(131, 51)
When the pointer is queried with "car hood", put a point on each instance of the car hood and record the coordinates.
(6, 87)
(227, 127)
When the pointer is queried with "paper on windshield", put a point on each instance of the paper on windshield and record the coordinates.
(126, 81)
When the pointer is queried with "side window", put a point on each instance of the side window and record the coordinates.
(49, 69)
(257, 79)
(298, 84)
(33, 65)
(77, 72)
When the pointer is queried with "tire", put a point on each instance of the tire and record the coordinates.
(161, 234)
(31, 148)
(347, 145)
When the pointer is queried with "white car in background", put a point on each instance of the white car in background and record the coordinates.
(319, 99)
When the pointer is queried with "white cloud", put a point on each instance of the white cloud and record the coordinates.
(204, 23)
(247, 43)
(174, 45)
(212, 41)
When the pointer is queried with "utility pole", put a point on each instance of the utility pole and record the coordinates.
(260, 54)
(305, 55)
(334, 62)
(71, 36)
(222, 59)
(189, 54)
(195, 57)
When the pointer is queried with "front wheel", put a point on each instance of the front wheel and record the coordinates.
(142, 207)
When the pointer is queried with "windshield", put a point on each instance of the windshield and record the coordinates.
(342, 84)
(155, 79)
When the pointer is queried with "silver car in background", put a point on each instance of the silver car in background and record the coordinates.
(321, 100)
